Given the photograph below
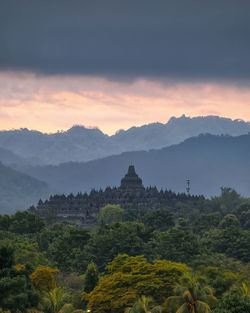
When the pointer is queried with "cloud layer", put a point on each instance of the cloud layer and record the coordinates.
(57, 102)
(180, 39)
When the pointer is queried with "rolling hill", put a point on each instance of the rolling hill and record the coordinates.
(18, 191)
(9, 158)
(209, 161)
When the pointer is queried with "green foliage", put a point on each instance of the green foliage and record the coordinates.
(63, 245)
(130, 277)
(4, 222)
(108, 242)
(25, 248)
(16, 290)
(6, 256)
(132, 214)
(220, 280)
(232, 241)
(243, 214)
(143, 305)
(245, 219)
(227, 202)
(229, 220)
(205, 222)
(160, 219)
(25, 223)
(175, 245)
(27, 252)
(109, 214)
(55, 301)
(74, 285)
(233, 303)
(221, 261)
(192, 295)
(211, 236)
(91, 277)
(184, 223)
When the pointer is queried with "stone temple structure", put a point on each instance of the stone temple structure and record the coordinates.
(82, 209)
(131, 183)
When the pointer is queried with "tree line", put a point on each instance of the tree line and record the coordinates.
(195, 259)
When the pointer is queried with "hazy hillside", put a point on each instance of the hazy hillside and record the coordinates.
(83, 144)
(157, 135)
(9, 158)
(78, 143)
(209, 161)
(18, 190)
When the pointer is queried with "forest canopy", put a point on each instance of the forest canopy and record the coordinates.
(123, 262)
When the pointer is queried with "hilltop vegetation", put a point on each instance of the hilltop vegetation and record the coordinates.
(126, 261)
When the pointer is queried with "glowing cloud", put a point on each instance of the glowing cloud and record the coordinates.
(51, 103)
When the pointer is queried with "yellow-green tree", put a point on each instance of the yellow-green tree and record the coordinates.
(91, 277)
(109, 214)
(43, 278)
(130, 278)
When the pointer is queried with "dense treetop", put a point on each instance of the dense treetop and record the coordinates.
(129, 257)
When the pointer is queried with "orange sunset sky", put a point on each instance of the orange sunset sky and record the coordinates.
(51, 103)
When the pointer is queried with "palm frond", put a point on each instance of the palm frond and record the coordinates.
(182, 309)
(174, 301)
(201, 307)
(187, 296)
(156, 309)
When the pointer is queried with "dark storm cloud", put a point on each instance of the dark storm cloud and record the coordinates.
(187, 39)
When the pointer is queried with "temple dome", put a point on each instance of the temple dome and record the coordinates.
(131, 180)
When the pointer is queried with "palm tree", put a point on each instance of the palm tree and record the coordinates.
(143, 305)
(192, 296)
(55, 301)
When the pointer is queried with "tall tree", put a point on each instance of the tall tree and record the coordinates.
(43, 278)
(91, 277)
(192, 296)
(130, 278)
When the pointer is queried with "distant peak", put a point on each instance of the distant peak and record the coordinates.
(77, 129)
(182, 117)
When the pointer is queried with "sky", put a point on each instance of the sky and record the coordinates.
(114, 64)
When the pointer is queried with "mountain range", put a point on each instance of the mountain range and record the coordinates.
(35, 165)
(80, 144)
(209, 161)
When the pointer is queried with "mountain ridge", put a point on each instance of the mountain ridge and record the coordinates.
(81, 144)
(19, 190)
(209, 161)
